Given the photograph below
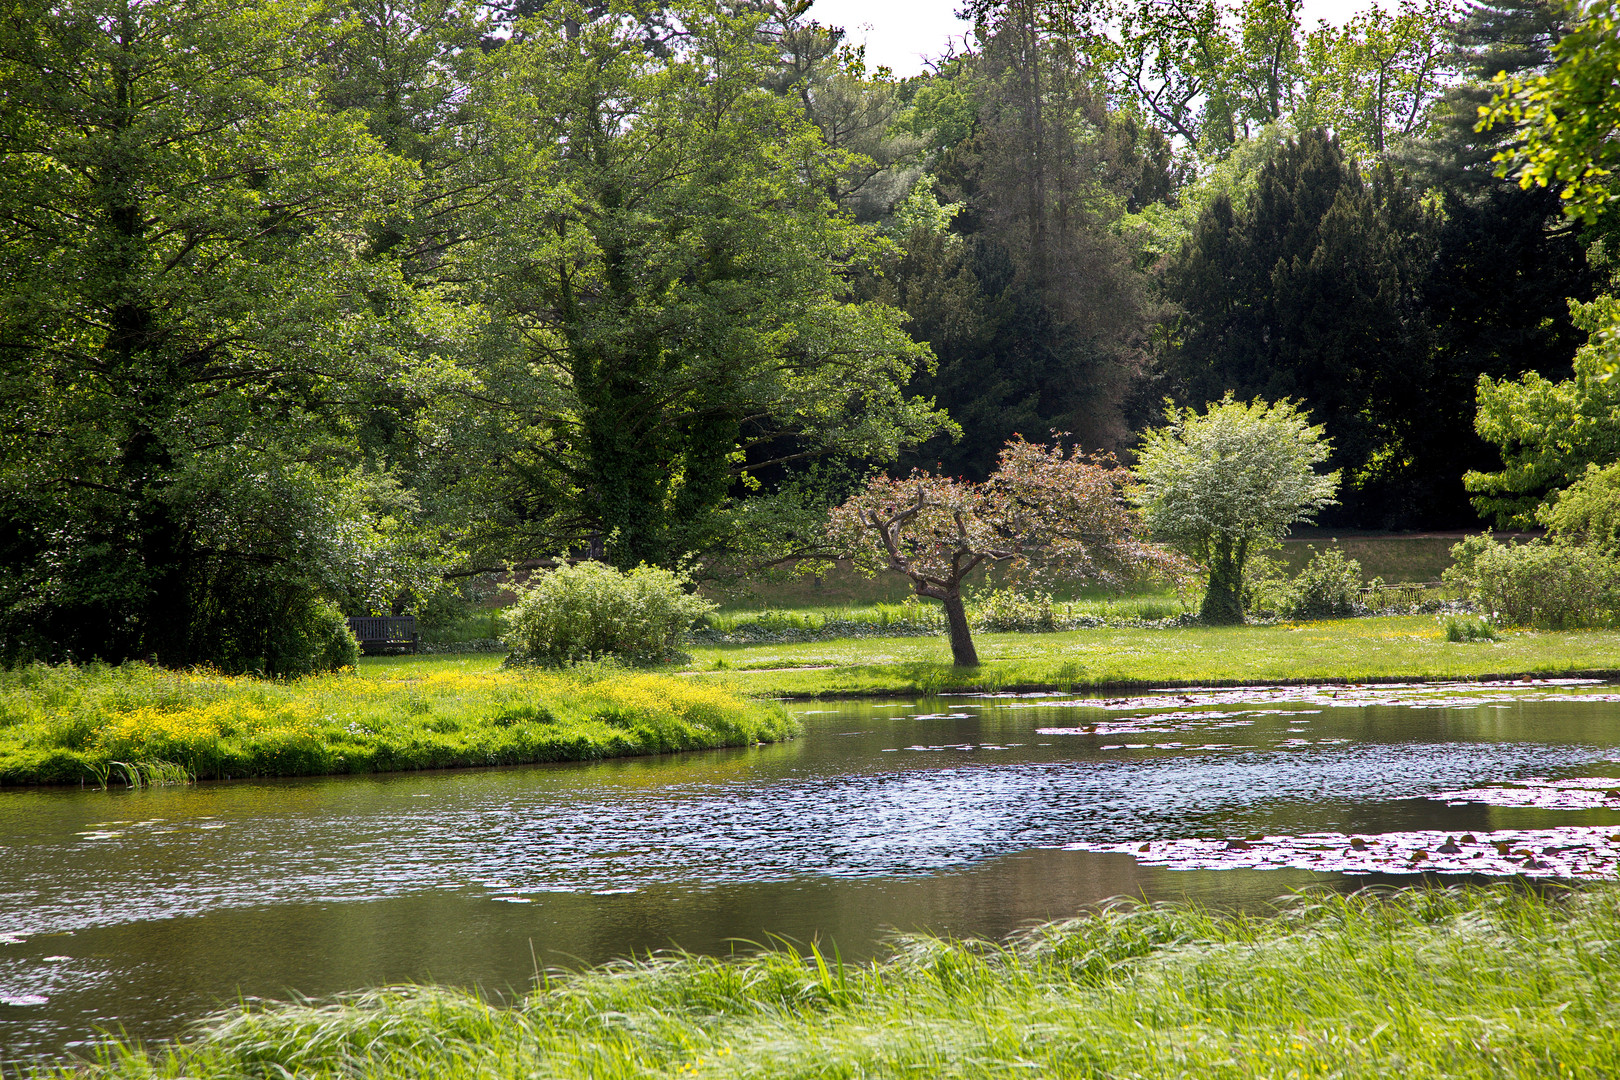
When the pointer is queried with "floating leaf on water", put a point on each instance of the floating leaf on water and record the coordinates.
(1572, 851)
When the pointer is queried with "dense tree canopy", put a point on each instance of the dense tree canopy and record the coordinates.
(1313, 291)
(669, 317)
(187, 324)
(310, 303)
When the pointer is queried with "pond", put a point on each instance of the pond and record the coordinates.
(965, 815)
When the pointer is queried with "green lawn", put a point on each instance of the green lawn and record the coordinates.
(1427, 983)
(1412, 647)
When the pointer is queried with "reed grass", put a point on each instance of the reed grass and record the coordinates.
(1422, 983)
(142, 725)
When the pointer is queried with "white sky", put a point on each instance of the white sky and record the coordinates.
(900, 33)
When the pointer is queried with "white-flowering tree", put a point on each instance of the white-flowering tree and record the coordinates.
(1222, 484)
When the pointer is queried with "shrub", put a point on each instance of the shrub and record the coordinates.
(284, 634)
(590, 611)
(1587, 513)
(1465, 630)
(1008, 610)
(310, 641)
(1553, 586)
(1328, 587)
(1265, 585)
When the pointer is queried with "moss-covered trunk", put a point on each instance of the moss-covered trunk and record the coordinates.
(1223, 600)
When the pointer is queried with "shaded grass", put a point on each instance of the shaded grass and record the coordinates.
(75, 724)
(924, 618)
(1393, 558)
(1422, 983)
(1353, 650)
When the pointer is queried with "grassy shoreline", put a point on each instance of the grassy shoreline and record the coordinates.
(95, 724)
(1497, 982)
(72, 725)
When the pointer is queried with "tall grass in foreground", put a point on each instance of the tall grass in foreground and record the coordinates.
(101, 724)
(1423, 983)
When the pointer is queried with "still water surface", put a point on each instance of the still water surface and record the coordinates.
(143, 910)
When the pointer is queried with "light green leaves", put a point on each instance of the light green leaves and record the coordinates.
(1241, 471)
(1569, 117)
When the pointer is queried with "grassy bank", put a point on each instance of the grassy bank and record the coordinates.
(95, 724)
(1425, 983)
(1353, 650)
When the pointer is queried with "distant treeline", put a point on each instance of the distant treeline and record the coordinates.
(306, 302)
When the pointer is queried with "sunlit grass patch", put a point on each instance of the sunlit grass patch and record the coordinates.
(71, 724)
(1423, 983)
(1391, 647)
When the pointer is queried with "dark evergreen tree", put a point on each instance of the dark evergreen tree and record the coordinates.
(1032, 305)
(1515, 36)
(1314, 291)
(1508, 260)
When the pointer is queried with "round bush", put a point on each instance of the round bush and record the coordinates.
(1327, 588)
(312, 637)
(590, 611)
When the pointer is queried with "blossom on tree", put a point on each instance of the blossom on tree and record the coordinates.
(1047, 512)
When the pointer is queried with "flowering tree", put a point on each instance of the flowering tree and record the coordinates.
(1047, 512)
(1223, 484)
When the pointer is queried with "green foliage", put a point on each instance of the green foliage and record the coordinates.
(1490, 38)
(309, 638)
(69, 724)
(1503, 981)
(1550, 432)
(1375, 78)
(190, 335)
(590, 611)
(1030, 300)
(1569, 117)
(1548, 585)
(1265, 584)
(1314, 290)
(1012, 610)
(669, 320)
(1220, 484)
(1463, 630)
(1209, 72)
(1587, 513)
(1327, 588)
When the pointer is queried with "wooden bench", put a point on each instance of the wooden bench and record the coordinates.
(385, 632)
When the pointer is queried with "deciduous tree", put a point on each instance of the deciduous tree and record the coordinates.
(668, 289)
(1225, 483)
(1046, 511)
(1549, 432)
(185, 324)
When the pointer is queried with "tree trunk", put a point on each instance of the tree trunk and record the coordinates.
(1223, 600)
(963, 654)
